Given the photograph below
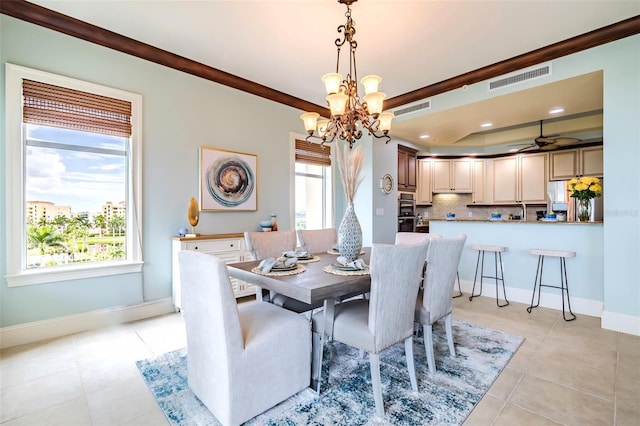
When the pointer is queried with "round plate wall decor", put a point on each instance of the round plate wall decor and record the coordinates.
(230, 181)
(386, 183)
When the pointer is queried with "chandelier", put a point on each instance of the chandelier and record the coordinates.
(349, 114)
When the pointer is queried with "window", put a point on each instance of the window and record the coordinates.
(313, 188)
(73, 178)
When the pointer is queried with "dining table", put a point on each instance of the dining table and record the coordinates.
(317, 280)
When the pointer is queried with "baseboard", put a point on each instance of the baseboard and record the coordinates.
(62, 326)
(621, 322)
(588, 307)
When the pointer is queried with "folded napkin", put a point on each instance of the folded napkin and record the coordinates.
(282, 262)
(356, 264)
(294, 253)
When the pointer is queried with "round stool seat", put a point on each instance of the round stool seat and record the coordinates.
(497, 249)
(555, 253)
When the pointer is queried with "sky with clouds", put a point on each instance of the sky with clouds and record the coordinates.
(83, 180)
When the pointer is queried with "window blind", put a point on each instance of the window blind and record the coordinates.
(57, 106)
(312, 153)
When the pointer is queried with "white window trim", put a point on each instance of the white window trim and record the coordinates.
(14, 169)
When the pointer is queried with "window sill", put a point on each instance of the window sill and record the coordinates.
(69, 273)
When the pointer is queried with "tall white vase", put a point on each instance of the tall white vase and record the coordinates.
(350, 235)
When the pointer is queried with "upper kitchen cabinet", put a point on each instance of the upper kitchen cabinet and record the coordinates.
(452, 175)
(424, 192)
(407, 162)
(520, 179)
(479, 195)
(569, 163)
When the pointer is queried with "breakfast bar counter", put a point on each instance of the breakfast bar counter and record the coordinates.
(585, 271)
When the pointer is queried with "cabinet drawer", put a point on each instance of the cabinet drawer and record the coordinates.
(213, 246)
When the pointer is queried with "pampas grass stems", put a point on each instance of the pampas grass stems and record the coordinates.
(350, 164)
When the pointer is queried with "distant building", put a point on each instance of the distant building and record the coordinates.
(110, 210)
(39, 210)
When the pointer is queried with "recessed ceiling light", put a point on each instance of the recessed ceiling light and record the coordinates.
(424, 136)
(513, 150)
(487, 124)
(556, 110)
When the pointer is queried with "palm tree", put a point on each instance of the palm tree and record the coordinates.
(44, 238)
(117, 223)
(100, 222)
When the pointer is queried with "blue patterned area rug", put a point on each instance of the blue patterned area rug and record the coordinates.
(347, 399)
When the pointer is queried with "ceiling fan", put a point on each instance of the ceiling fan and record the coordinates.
(546, 143)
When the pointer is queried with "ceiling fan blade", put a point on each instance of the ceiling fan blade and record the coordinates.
(544, 140)
(566, 140)
(549, 147)
(529, 148)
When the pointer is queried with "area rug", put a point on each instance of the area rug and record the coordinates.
(447, 397)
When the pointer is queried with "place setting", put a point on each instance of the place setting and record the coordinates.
(302, 256)
(343, 266)
(280, 266)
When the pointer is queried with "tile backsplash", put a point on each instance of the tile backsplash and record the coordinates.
(459, 204)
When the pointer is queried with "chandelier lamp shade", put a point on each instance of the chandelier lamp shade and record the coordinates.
(350, 115)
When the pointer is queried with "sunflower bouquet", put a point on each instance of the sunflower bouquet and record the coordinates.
(584, 189)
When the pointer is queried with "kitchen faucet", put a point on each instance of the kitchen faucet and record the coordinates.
(524, 212)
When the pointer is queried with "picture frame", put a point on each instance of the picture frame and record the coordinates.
(228, 180)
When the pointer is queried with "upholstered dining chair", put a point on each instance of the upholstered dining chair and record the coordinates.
(241, 359)
(414, 237)
(317, 240)
(271, 244)
(386, 318)
(434, 301)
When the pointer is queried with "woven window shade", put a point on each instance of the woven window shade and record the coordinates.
(57, 106)
(312, 153)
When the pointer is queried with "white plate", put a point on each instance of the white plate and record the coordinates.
(548, 220)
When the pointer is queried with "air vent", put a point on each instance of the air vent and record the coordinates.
(520, 76)
(413, 108)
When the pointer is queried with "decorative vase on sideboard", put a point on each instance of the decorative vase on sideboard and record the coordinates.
(350, 235)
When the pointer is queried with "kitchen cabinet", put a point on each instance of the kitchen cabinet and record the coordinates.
(479, 173)
(570, 163)
(520, 179)
(407, 163)
(424, 192)
(452, 175)
(227, 247)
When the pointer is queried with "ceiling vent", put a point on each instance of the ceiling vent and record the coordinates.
(538, 71)
(413, 108)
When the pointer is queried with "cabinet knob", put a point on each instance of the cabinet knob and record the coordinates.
(196, 248)
(231, 245)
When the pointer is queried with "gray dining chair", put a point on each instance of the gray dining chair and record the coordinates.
(317, 240)
(271, 244)
(434, 301)
(241, 359)
(386, 318)
(414, 237)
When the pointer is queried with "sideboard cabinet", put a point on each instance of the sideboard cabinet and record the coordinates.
(227, 247)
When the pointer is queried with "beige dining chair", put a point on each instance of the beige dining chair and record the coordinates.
(241, 359)
(317, 240)
(386, 318)
(434, 301)
(271, 244)
(414, 237)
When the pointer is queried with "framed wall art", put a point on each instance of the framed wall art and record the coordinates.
(227, 180)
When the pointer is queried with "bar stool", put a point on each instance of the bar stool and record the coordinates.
(497, 254)
(564, 287)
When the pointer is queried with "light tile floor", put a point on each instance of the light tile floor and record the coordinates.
(570, 373)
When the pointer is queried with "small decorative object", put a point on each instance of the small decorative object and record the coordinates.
(182, 232)
(386, 184)
(350, 233)
(227, 180)
(584, 189)
(266, 225)
(451, 216)
(194, 217)
(274, 222)
(496, 216)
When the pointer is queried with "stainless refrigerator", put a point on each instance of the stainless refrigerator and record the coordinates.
(561, 202)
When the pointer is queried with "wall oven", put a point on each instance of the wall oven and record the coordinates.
(406, 213)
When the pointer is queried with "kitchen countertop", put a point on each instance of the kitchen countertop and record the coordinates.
(515, 221)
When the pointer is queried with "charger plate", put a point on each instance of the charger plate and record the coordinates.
(310, 260)
(297, 270)
(330, 269)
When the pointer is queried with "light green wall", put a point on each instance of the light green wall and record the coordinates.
(181, 113)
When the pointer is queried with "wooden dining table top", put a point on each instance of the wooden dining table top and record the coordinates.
(311, 286)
